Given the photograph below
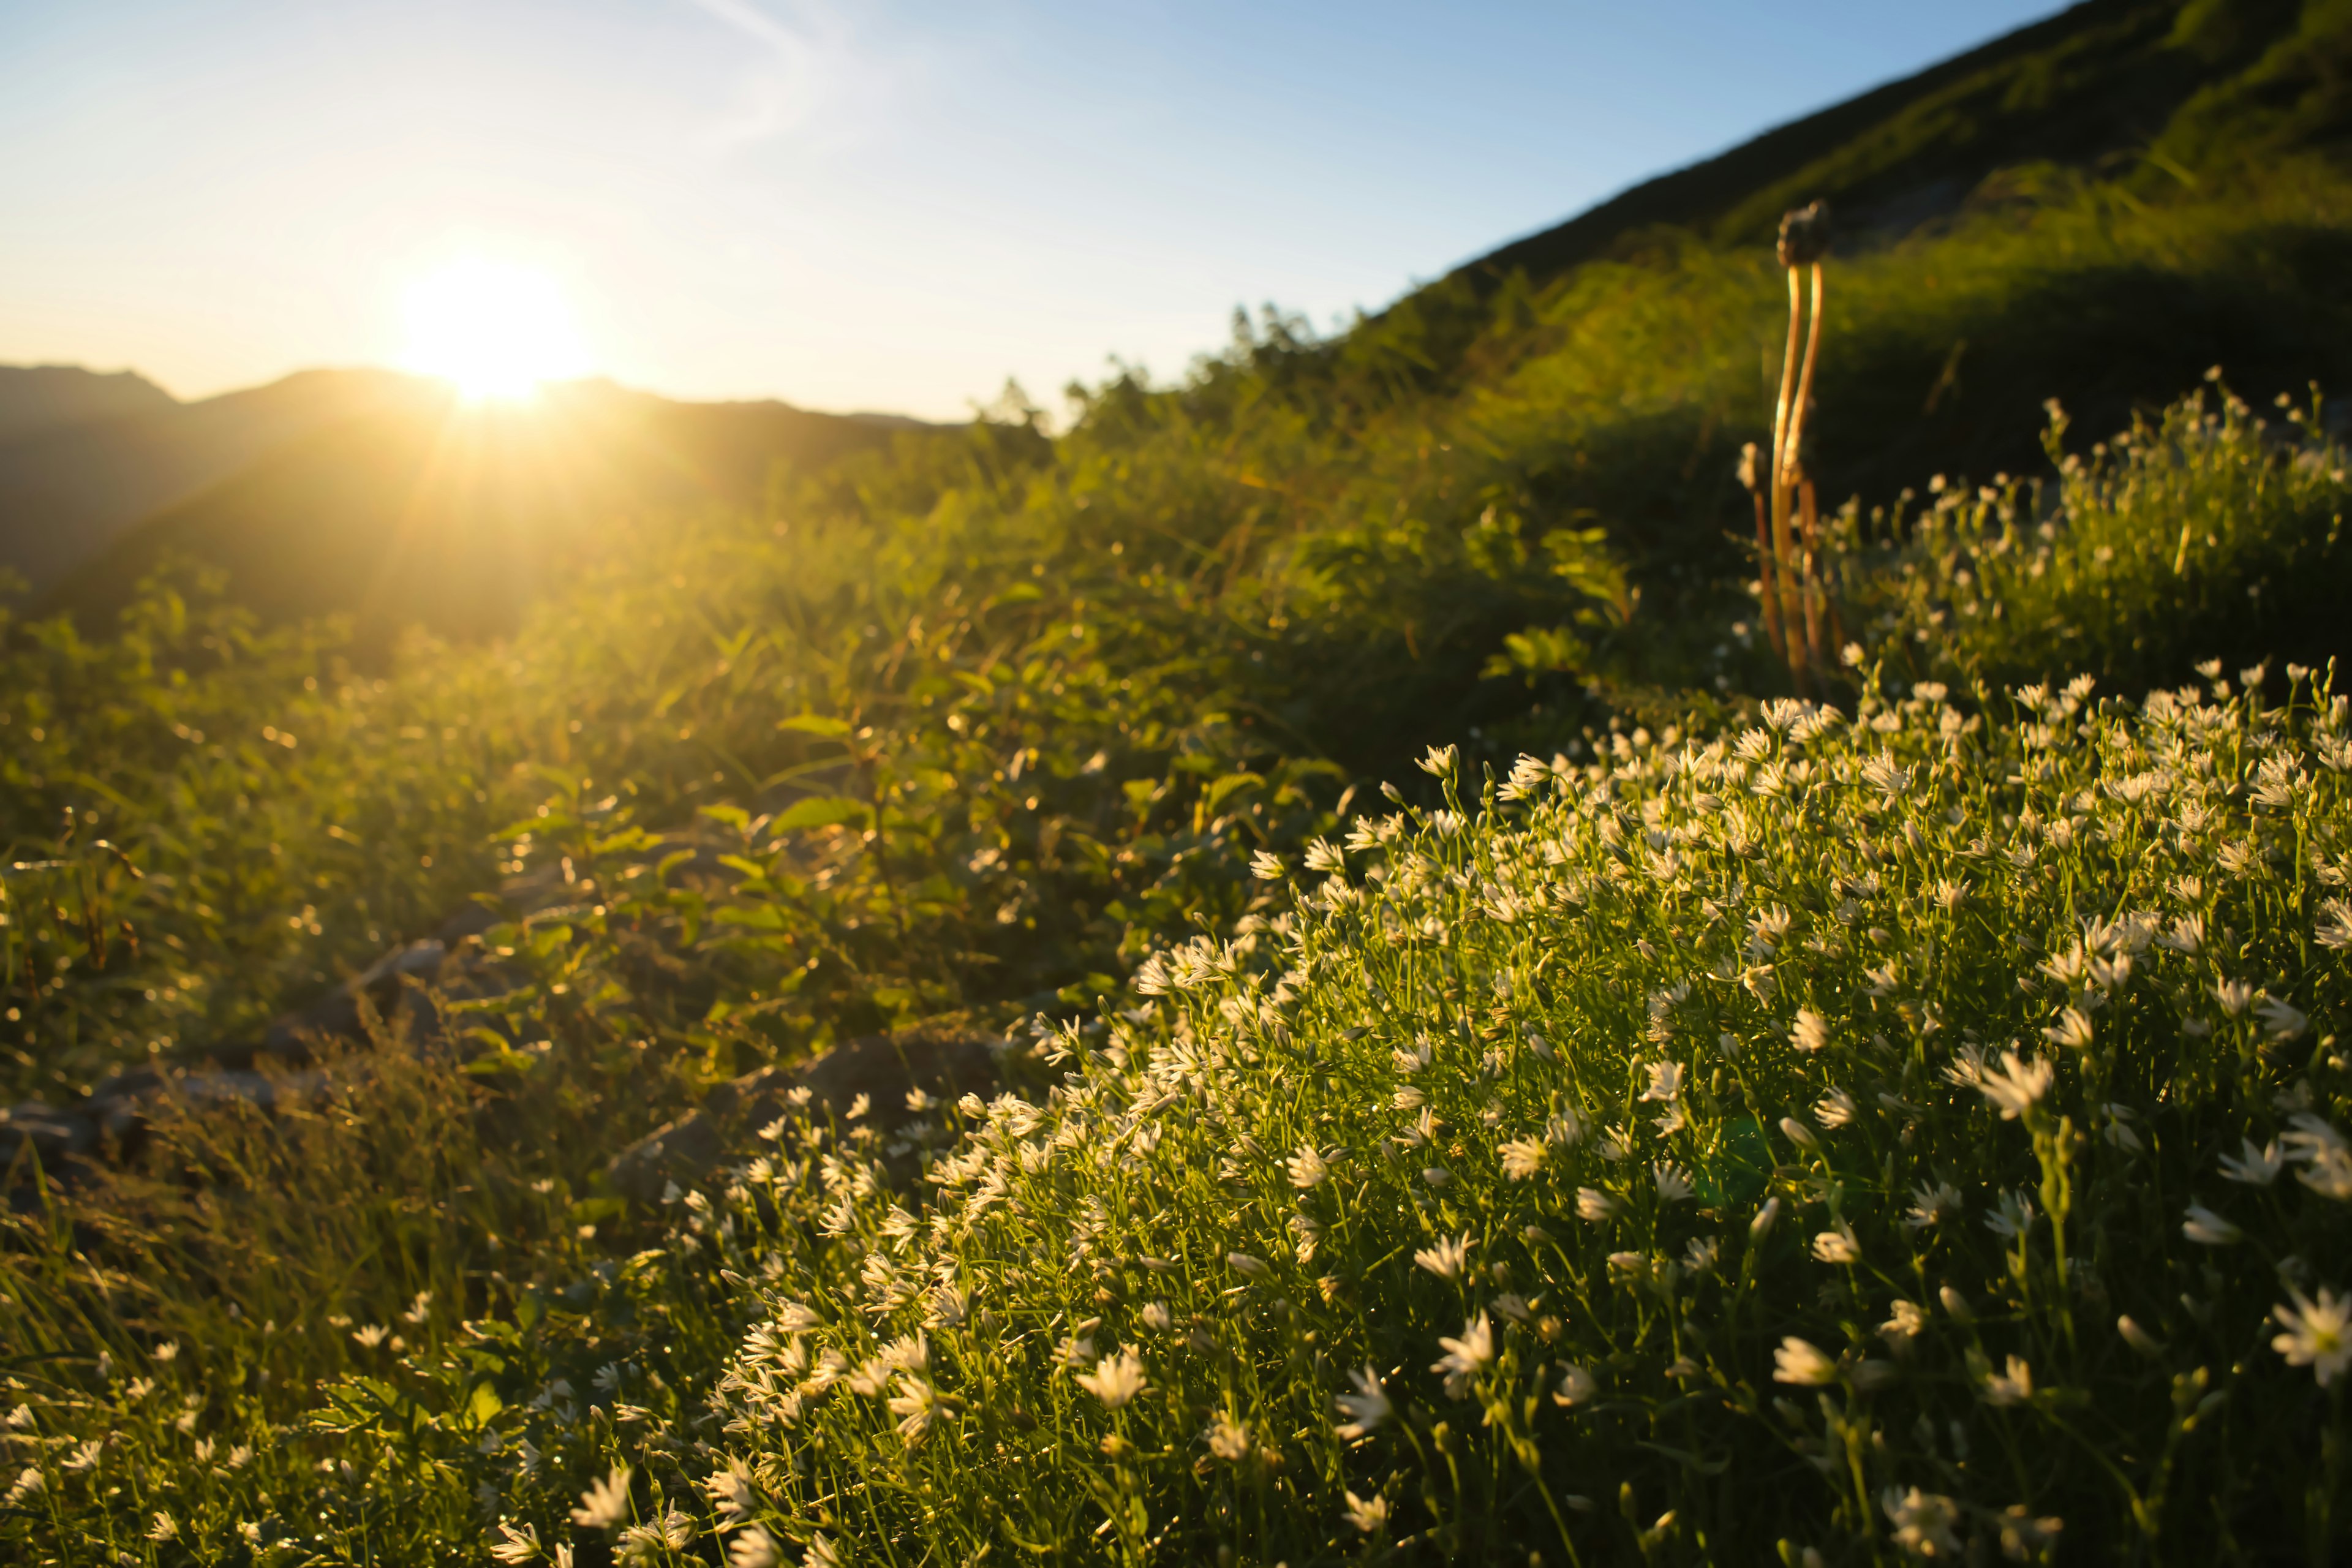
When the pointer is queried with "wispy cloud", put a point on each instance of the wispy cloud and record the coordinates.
(808, 70)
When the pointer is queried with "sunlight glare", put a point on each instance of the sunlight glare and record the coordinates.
(494, 329)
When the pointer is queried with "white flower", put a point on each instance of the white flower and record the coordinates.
(1117, 1379)
(1923, 1522)
(2318, 1334)
(1837, 1246)
(166, 1528)
(1665, 1080)
(1441, 761)
(1445, 1259)
(1369, 1515)
(1246, 1265)
(1799, 1134)
(798, 1318)
(1673, 1183)
(1800, 1362)
(1467, 1356)
(1930, 1205)
(2325, 1158)
(1905, 1321)
(917, 1405)
(2285, 1022)
(1835, 1108)
(2235, 995)
(1366, 1408)
(1265, 868)
(2016, 1085)
(1522, 1158)
(1594, 1205)
(2073, 1028)
(373, 1335)
(1228, 1439)
(2257, 1167)
(1761, 1225)
(730, 1491)
(1156, 1316)
(1307, 1169)
(822, 1552)
(84, 1459)
(1810, 1031)
(2012, 1216)
(2207, 1228)
(605, 1504)
(1575, 1386)
(514, 1545)
(754, 1547)
(2013, 1388)
(2139, 1339)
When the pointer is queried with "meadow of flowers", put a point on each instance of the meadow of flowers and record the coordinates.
(1877, 1132)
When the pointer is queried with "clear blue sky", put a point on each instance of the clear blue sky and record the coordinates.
(880, 204)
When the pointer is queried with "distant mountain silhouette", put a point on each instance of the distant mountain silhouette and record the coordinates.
(67, 491)
(385, 496)
(44, 397)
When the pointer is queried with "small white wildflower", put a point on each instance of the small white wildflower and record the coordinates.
(1904, 1322)
(2139, 1339)
(917, 1405)
(1761, 1225)
(1366, 1408)
(1673, 1182)
(1444, 1259)
(1467, 1356)
(2285, 1022)
(1307, 1169)
(1522, 1158)
(1156, 1316)
(1811, 1031)
(514, 1545)
(1369, 1515)
(605, 1504)
(2073, 1029)
(1837, 1246)
(2015, 1386)
(2207, 1228)
(1665, 1080)
(730, 1491)
(2012, 1216)
(1835, 1108)
(1228, 1439)
(1594, 1207)
(2256, 1167)
(1801, 1362)
(755, 1547)
(2018, 1085)
(1116, 1380)
(1245, 1265)
(1930, 1205)
(164, 1528)
(1266, 867)
(1923, 1522)
(2318, 1334)
(1575, 1386)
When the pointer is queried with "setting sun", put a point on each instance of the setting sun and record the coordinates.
(494, 329)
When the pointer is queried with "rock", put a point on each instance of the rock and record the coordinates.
(53, 1133)
(946, 1059)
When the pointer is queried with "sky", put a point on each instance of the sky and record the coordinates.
(889, 205)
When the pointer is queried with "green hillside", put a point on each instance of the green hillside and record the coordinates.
(427, 512)
(1285, 971)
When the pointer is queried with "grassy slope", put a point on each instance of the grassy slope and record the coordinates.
(1085, 681)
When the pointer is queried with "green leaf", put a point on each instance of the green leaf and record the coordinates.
(813, 724)
(821, 811)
